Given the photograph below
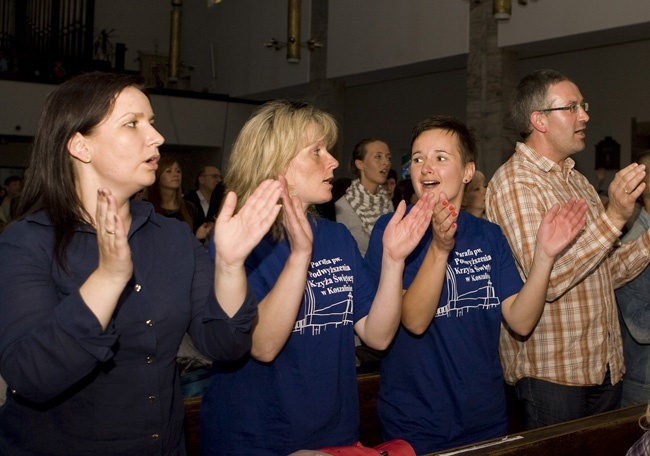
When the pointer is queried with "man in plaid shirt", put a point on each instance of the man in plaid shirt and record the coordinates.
(572, 364)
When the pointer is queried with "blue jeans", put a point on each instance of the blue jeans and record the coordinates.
(545, 403)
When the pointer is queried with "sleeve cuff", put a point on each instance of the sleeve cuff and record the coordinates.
(78, 321)
(242, 320)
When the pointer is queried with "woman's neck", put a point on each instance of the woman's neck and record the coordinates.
(370, 186)
(475, 212)
(168, 198)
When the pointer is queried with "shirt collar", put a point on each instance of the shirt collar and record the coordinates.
(142, 212)
(543, 163)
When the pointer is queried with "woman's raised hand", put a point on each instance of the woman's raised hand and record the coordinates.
(102, 289)
(114, 250)
(236, 235)
(443, 223)
(296, 224)
(403, 233)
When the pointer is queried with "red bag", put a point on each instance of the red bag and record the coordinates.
(395, 447)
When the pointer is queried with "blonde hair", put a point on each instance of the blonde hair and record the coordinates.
(268, 142)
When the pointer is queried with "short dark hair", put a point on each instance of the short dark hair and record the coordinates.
(466, 138)
(531, 94)
(199, 174)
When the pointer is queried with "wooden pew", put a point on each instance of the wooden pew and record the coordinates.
(192, 425)
(606, 434)
(370, 435)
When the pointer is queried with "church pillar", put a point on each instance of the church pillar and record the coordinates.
(491, 77)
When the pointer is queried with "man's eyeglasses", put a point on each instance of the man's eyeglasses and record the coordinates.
(572, 108)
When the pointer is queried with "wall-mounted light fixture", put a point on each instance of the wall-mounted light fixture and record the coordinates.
(311, 45)
(293, 43)
(502, 9)
(293, 32)
(175, 41)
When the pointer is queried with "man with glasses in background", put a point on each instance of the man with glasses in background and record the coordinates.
(206, 181)
(572, 364)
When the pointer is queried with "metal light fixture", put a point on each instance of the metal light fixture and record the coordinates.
(175, 41)
(502, 9)
(310, 44)
(293, 32)
(293, 43)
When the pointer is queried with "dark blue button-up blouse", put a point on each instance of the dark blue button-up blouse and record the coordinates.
(76, 389)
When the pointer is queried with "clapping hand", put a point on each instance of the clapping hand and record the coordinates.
(112, 242)
(627, 186)
(236, 235)
(204, 230)
(403, 233)
(443, 223)
(298, 230)
(560, 226)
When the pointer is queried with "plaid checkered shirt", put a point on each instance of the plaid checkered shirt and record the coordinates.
(578, 334)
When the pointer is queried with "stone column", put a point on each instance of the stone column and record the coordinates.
(491, 77)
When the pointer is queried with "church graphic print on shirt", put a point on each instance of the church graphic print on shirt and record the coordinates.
(471, 268)
(328, 297)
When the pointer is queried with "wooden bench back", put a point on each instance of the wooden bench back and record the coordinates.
(607, 434)
(370, 434)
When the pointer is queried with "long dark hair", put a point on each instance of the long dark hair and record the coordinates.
(76, 106)
(155, 198)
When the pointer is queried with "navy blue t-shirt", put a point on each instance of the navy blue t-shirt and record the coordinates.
(445, 388)
(307, 397)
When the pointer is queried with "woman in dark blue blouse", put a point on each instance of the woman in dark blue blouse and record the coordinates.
(97, 291)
